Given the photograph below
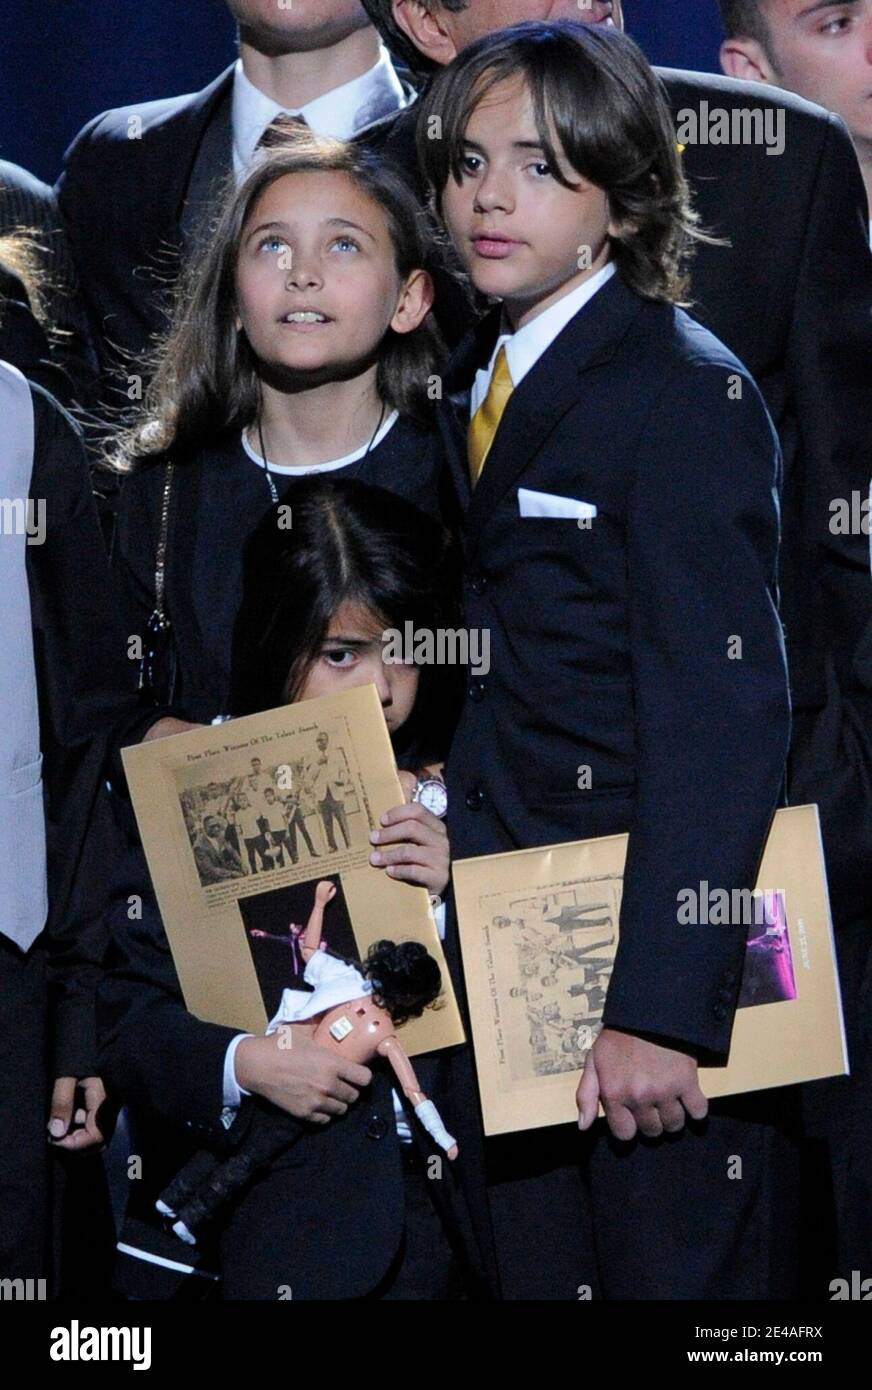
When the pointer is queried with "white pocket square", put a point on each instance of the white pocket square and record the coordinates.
(549, 504)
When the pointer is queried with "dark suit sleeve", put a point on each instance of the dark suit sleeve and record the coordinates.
(830, 374)
(156, 1056)
(86, 691)
(74, 204)
(711, 732)
(22, 339)
(26, 203)
(831, 765)
(830, 370)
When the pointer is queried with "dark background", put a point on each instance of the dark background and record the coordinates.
(63, 61)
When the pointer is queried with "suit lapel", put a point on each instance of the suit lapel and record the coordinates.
(473, 352)
(548, 392)
(209, 137)
(173, 144)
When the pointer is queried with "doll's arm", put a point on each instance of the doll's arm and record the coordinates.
(311, 939)
(390, 1049)
(424, 1108)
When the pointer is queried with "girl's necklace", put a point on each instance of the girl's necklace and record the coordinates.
(270, 482)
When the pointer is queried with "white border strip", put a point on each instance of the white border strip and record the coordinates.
(165, 1264)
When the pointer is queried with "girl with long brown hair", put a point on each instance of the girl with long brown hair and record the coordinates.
(304, 344)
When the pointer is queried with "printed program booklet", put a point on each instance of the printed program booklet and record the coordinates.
(538, 932)
(241, 820)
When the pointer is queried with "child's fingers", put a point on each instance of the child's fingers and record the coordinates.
(694, 1101)
(411, 873)
(409, 783)
(587, 1095)
(413, 811)
(620, 1120)
(418, 832)
(397, 854)
(429, 856)
(62, 1098)
(87, 1138)
(330, 1108)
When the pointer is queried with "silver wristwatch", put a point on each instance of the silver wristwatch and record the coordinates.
(432, 793)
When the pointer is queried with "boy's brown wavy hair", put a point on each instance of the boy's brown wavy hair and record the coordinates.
(597, 99)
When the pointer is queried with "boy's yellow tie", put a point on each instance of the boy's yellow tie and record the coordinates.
(485, 422)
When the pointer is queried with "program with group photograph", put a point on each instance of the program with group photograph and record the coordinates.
(241, 821)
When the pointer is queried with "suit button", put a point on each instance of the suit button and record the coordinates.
(376, 1127)
(475, 799)
(477, 689)
(478, 583)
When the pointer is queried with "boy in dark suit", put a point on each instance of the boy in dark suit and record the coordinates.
(617, 475)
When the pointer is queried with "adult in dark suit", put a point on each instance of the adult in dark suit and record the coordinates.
(142, 183)
(825, 56)
(29, 206)
(216, 858)
(59, 726)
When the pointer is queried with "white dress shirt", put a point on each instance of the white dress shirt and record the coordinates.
(528, 344)
(344, 112)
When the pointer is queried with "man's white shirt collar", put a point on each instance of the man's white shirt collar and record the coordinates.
(528, 344)
(344, 112)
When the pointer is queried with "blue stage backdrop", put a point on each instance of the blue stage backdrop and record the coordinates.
(61, 63)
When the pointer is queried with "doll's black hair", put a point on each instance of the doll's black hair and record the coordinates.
(404, 976)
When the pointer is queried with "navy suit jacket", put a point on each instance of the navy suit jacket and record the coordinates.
(611, 646)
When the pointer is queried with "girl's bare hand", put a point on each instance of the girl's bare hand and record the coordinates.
(298, 1075)
(413, 846)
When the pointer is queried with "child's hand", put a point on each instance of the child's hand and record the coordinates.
(413, 845)
(306, 1080)
(85, 1135)
(643, 1086)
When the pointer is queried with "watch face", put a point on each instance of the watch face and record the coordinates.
(434, 796)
